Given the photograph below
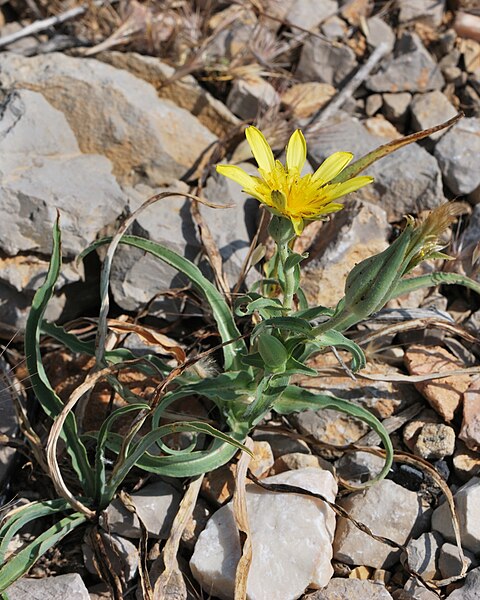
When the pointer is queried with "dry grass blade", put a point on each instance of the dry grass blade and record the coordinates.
(241, 519)
(418, 324)
(103, 565)
(171, 585)
(418, 378)
(147, 592)
(214, 256)
(54, 435)
(149, 335)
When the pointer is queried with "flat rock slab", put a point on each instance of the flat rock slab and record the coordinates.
(291, 541)
(444, 395)
(50, 588)
(115, 114)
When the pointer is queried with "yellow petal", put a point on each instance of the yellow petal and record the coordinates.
(237, 174)
(296, 151)
(260, 149)
(351, 185)
(331, 167)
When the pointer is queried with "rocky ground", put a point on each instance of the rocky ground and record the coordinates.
(124, 100)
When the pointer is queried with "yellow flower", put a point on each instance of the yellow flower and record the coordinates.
(284, 190)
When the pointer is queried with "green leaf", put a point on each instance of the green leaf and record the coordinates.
(296, 399)
(23, 560)
(293, 324)
(405, 286)
(44, 392)
(273, 352)
(338, 340)
(294, 259)
(220, 310)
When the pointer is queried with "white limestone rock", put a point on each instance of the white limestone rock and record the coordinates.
(69, 586)
(388, 510)
(291, 540)
(467, 502)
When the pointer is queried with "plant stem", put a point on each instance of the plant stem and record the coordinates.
(288, 278)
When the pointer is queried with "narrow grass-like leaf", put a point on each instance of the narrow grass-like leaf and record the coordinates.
(406, 286)
(44, 392)
(220, 310)
(296, 399)
(21, 562)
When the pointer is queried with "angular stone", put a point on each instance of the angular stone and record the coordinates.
(435, 441)
(450, 562)
(355, 233)
(395, 106)
(304, 99)
(412, 429)
(444, 395)
(291, 541)
(69, 586)
(379, 32)
(470, 432)
(248, 97)
(358, 467)
(156, 505)
(322, 61)
(411, 69)
(373, 104)
(397, 190)
(467, 499)
(140, 133)
(414, 590)
(347, 589)
(308, 14)
(431, 109)
(262, 460)
(298, 460)
(122, 554)
(281, 444)
(470, 589)
(196, 523)
(466, 462)
(186, 92)
(456, 153)
(423, 555)
(429, 12)
(334, 28)
(375, 508)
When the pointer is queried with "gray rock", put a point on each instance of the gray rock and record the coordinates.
(358, 467)
(334, 28)
(8, 418)
(411, 69)
(388, 510)
(249, 97)
(357, 232)
(397, 189)
(435, 441)
(423, 555)
(300, 460)
(69, 586)
(379, 32)
(156, 505)
(429, 12)
(291, 541)
(470, 236)
(347, 589)
(42, 170)
(467, 499)
(114, 114)
(330, 426)
(308, 14)
(450, 563)
(456, 153)
(431, 109)
(470, 589)
(322, 61)
(186, 92)
(281, 444)
(395, 106)
(414, 590)
(15, 306)
(122, 554)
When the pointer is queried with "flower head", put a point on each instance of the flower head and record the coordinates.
(282, 188)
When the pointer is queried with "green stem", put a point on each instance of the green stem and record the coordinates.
(288, 278)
